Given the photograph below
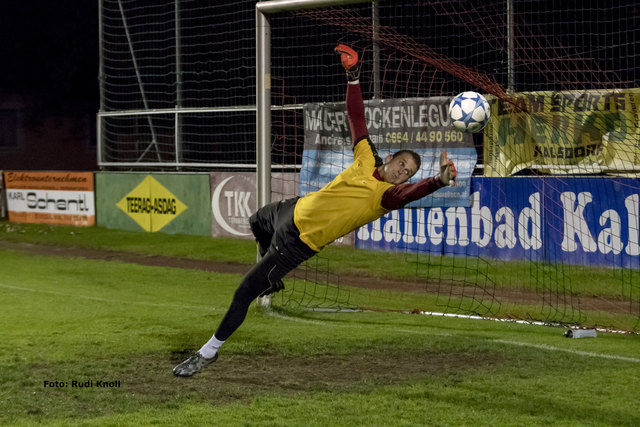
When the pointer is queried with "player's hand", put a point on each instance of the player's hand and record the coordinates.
(448, 171)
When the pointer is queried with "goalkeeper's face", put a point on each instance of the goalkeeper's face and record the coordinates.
(397, 170)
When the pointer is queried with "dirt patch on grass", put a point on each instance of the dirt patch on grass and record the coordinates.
(235, 376)
(147, 380)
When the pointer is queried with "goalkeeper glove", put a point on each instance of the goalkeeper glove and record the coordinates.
(448, 171)
(349, 59)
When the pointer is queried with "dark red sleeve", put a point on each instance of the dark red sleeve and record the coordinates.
(357, 122)
(399, 195)
(355, 113)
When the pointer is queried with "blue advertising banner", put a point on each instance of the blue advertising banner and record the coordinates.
(594, 221)
(418, 124)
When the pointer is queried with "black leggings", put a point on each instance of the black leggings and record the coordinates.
(276, 232)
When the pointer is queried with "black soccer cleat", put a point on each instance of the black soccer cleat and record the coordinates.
(193, 365)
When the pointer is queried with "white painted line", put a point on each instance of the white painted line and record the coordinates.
(522, 322)
(111, 300)
(568, 350)
(518, 343)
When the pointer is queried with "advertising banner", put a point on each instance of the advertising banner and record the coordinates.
(594, 221)
(171, 203)
(418, 124)
(63, 198)
(234, 200)
(565, 132)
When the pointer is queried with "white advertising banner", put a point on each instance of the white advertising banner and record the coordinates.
(234, 200)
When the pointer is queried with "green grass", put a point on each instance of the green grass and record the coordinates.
(196, 247)
(78, 320)
(553, 292)
(580, 280)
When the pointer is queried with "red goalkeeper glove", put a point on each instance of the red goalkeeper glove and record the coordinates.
(349, 59)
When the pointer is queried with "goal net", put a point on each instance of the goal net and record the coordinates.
(544, 224)
(176, 85)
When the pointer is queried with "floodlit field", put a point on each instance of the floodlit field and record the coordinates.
(92, 341)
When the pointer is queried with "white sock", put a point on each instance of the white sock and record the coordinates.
(211, 347)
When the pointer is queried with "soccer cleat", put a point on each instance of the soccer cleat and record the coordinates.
(349, 59)
(193, 365)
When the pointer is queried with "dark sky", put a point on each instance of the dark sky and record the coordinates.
(49, 49)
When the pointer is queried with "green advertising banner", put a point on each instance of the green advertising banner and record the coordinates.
(564, 132)
(170, 203)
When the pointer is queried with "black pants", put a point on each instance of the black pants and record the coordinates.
(275, 231)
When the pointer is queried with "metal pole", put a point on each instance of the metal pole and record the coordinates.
(274, 6)
(101, 54)
(510, 48)
(263, 108)
(376, 49)
(99, 144)
(178, 54)
(178, 117)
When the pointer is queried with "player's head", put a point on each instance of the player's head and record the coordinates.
(400, 166)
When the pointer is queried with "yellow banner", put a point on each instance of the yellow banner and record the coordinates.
(564, 132)
(151, 205)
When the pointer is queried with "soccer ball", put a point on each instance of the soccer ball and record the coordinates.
(469, 112)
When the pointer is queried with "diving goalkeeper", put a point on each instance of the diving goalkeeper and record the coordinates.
(291, 231)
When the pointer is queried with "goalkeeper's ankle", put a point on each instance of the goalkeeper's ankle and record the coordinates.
(211, 347)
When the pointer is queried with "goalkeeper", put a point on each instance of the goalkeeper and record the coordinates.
(291, 231)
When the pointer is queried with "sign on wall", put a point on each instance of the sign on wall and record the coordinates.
(151, 205)
(234, 200)
(169, 203)
(568, 132)
(592, 221)
(418, 124)
(63, 198)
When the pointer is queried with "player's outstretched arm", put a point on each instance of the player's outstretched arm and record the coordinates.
(399, 195)
(354, 102)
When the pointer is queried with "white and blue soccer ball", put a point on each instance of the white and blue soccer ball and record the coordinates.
(469, 112)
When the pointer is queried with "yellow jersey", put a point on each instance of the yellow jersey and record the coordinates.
(351, 200)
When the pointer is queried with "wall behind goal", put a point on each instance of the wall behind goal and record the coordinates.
(551, 220)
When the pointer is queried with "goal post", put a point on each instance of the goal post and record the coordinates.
(263, 92)
(555, 244)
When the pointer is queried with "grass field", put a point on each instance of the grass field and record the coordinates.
(68, 323)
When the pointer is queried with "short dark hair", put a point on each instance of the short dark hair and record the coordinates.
(416, 157)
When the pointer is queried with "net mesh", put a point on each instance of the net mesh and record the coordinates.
(177, 56)
(560, 59)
